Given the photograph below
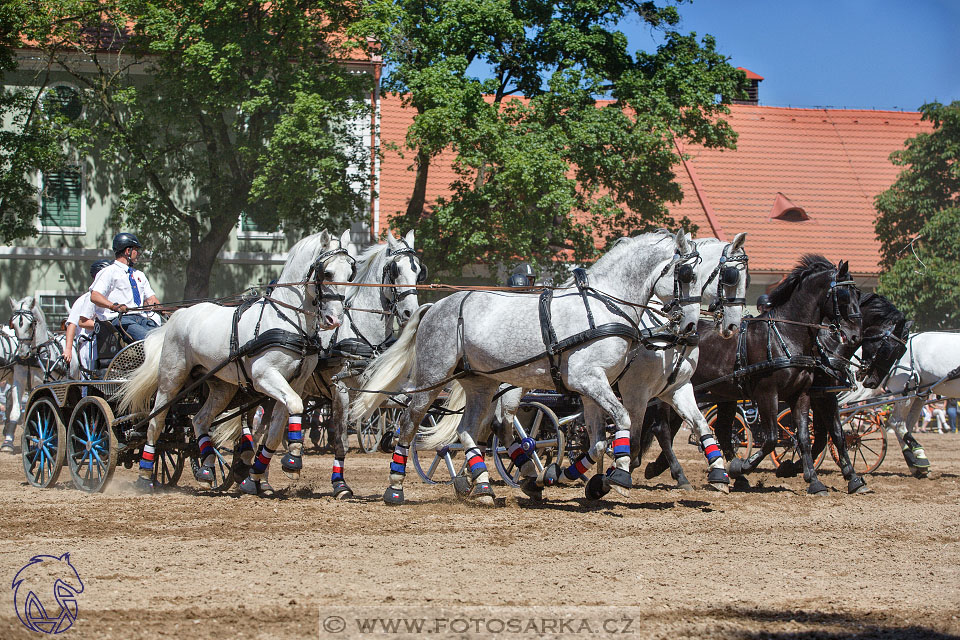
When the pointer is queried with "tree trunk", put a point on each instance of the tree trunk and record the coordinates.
(419, 196)
(203, 255)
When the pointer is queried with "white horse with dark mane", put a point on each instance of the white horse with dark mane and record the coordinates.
(270, 345)
(662, 374)
(366, 331)
(578, 339)
(930, 365)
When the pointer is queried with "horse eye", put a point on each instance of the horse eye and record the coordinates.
(328, 275)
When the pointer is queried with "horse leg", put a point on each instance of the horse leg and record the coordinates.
(477, 415)
(801, 413)
(913, 453)
(219, 396)
(288, 405)
(339, 402)
(769, 433)
(827, 412)
(685, 404)
(169, 383)
(409, 424)
(599, 484)
(531, 482)
(723, 429)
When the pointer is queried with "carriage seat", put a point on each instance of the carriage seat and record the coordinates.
(109, 342)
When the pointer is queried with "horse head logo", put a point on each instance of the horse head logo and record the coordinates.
(45, 593)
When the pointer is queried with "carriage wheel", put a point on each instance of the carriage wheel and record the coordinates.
(742, 436)
(170, 455)
(537, 421)
(91, 444)
(41, 443)
(786, 448)
(373, 428)
(866, 438)
(437, 466)
(223, 476)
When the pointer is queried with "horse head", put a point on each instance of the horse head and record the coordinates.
(24, 324)
(885, 334)
(402, 269)
(334, 263)
(679, 278)
(725, 289)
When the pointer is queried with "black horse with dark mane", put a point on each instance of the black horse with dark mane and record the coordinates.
(775, 358)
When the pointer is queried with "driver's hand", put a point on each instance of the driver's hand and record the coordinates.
(121, 308)
(67, 356)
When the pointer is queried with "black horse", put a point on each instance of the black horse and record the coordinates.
(774, 358)
(885, 332)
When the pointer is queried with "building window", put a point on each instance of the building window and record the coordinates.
(56, 307)
(61, 204)
(62, 100)
(251, 230)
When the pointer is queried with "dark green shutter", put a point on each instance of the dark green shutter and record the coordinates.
(61, 199)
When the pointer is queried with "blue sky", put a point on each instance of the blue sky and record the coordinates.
(876, 54)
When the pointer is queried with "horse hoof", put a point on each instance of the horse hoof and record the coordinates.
(393, 496)
(787, 469)
(482, 494)
(857, 485)
(722, 487)
(597, 487)
(250, 486)
(294, 476)
(386, 442)
(341, 491)
(740, 483)
(551, 474)
(7, 446)
(461, 485)
(205, 475)
(655, 468)
(144, 485)
(684, 486)
(817, 488)
(619, 478)
(531, 489)
(735, 468)
(292, 464)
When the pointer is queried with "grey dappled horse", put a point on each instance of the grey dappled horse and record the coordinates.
(487, 334)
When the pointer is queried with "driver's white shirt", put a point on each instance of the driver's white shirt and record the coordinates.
(113, 283)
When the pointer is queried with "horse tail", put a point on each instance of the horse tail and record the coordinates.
(136, 393)
(444, 431)
(227, 432)
(389, 370)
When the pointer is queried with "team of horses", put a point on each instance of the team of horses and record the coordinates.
(627, 335)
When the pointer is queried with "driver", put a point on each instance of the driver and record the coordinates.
(522, 276)
(120, 287)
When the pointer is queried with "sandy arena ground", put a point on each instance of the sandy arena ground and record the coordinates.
(770, 563)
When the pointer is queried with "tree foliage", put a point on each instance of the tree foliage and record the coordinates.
(562, 136)
(918, 223)
(213, 108)
(31, 141)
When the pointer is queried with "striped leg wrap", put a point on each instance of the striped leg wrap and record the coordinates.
(338, 470)
(262, 460)
(579, 468)
(399, 462)
(147, 457)
(246, 440)
(621, 443)
(206, 448)
(475, 463)
(295, 429)
(710, 448)
(518, 455)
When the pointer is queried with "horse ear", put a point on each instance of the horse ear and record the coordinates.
(409, 238)
(345, 240)
(13, 303)
(908, 325)
(392, 240)
(324, 238)
(738, 242)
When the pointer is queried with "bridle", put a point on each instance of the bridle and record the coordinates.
(684, 265)
(891, 347)
(318, 269)
(728, 270)
(838, 290)
(391, 271)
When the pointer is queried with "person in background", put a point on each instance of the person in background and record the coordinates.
(952, 415)
(522, 276)
(122, 289)
(82, 319)
(8, 427)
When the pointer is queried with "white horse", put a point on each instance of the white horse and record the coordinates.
(930, 365)
(652, 374)
(272, 346)
(366, 331)
(32, 356)
(489, 338)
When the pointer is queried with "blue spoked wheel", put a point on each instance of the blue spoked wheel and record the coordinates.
(41, 443)
(91, 445)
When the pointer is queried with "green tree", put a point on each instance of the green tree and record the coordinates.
(217, 108)
(918, 223)
(544, 169)
(31, 139)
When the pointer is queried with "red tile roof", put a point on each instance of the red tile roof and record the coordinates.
(830, 163)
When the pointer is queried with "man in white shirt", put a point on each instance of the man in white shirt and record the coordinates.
(122, 288)
(82, 318)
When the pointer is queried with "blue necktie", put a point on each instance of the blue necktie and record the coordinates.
(133, 285)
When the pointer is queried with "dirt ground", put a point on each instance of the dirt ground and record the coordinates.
(768, 563)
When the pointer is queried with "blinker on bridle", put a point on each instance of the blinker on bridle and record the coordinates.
(318, 269)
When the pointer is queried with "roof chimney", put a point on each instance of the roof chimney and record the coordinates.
(753, 88)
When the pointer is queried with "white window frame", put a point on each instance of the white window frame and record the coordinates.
(50, 292)
(257, 235)
(57, 230)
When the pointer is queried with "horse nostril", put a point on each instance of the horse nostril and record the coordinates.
(406, 313)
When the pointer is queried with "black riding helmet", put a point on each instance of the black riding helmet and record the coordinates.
(98, 266)
(517, 280)
(123, 241)
(763, 302)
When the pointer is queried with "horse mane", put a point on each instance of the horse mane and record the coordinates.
(629, 243)
(810, 264)
(878, 305)
(301, 257)
(370, 264)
